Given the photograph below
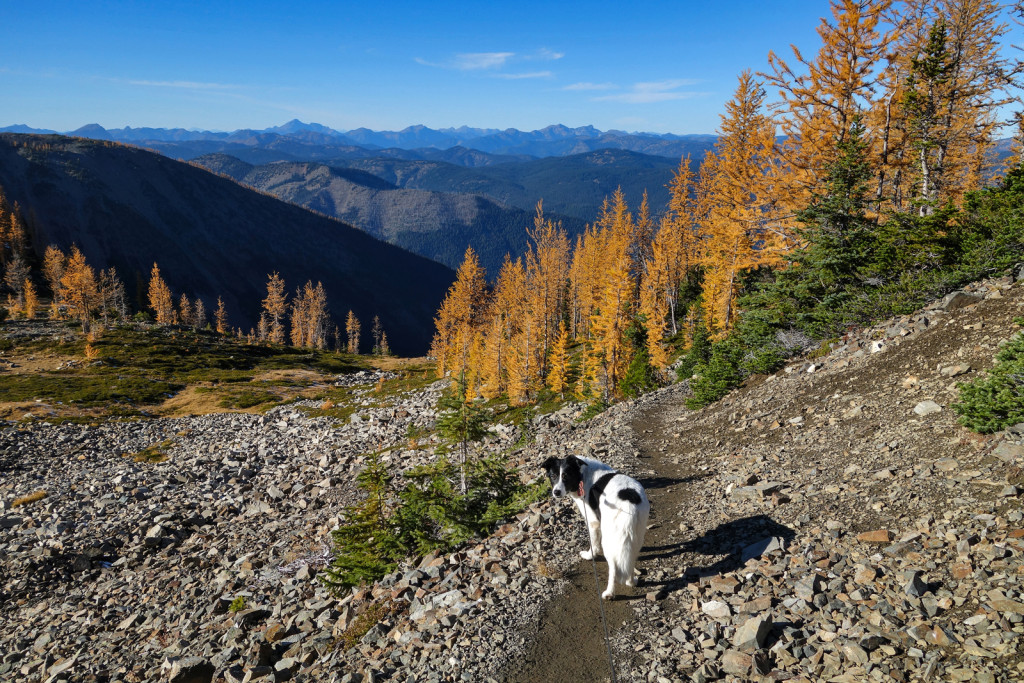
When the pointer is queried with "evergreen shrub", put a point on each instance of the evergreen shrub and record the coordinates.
(996, 401)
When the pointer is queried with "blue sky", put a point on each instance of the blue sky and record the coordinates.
(663, 67)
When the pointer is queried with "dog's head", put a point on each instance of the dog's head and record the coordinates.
(566, 475)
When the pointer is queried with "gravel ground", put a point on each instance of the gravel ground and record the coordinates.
(830, 522)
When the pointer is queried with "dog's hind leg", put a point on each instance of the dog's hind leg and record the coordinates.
(613, 551)
(635, 543)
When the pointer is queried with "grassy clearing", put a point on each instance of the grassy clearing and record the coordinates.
(131, 370)
(250, 398)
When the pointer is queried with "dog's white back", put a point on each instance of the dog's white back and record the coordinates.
(614, 507)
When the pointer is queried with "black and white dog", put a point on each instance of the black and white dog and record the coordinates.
(614, 508)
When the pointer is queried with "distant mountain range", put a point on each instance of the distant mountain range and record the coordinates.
(491, 179)
(298, 141)
(128, 207)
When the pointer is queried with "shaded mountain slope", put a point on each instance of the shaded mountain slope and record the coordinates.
(128, 207)
(438, 225)
(572, 185)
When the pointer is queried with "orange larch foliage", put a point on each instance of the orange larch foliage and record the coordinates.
(220, 318)
(458, 316)
(820, 97)
(742, 218)
(276, 307)
(500, 322)
(31, 300)
(558, 362)
(547, 272)
(78, 285)
(54, 262)
(184, 310)
(352, 331)
(951, 82)
(310, 321)
(160, 297)
(615, 303)
(672, 257)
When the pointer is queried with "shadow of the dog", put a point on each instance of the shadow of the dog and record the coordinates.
(733, 543)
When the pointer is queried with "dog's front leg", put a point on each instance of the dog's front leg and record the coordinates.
(594, 527)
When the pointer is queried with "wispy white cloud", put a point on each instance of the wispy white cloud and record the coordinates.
(493, 61)
(545, 54)
(190, 85)
(471, 61)
(532, 74)
(654, 91)
(590, 86)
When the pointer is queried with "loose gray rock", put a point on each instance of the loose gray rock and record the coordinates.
(752, 634)
(927, 408)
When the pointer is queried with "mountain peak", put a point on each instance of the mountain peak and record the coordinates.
(93, 131)
(297, 126)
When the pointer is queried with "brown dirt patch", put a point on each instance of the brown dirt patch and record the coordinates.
(30, 363)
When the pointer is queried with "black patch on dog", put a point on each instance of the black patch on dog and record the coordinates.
(597, 490)
(552, 467)
(630, 495)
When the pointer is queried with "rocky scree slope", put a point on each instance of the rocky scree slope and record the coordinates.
(126, 569)
(834, 522)
(824, 523)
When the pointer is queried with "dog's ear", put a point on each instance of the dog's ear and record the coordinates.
(550, 465)
(573, 461)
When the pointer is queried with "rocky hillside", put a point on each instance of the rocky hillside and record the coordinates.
(830, 522)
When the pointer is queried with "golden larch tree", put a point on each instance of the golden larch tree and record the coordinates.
(517, 330)
(547, 271)
(78, 285)
(54, 262)
(672, 258)
(220, 318)
(310, 319)
(615, 302)
(276, 307)
(558, 364)
(31, 300)
(743, 221)
(458, 316)
(352, 330)
(184, 310)
(612, 316)
(954, 83)
(820, 97)
(160, 297)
